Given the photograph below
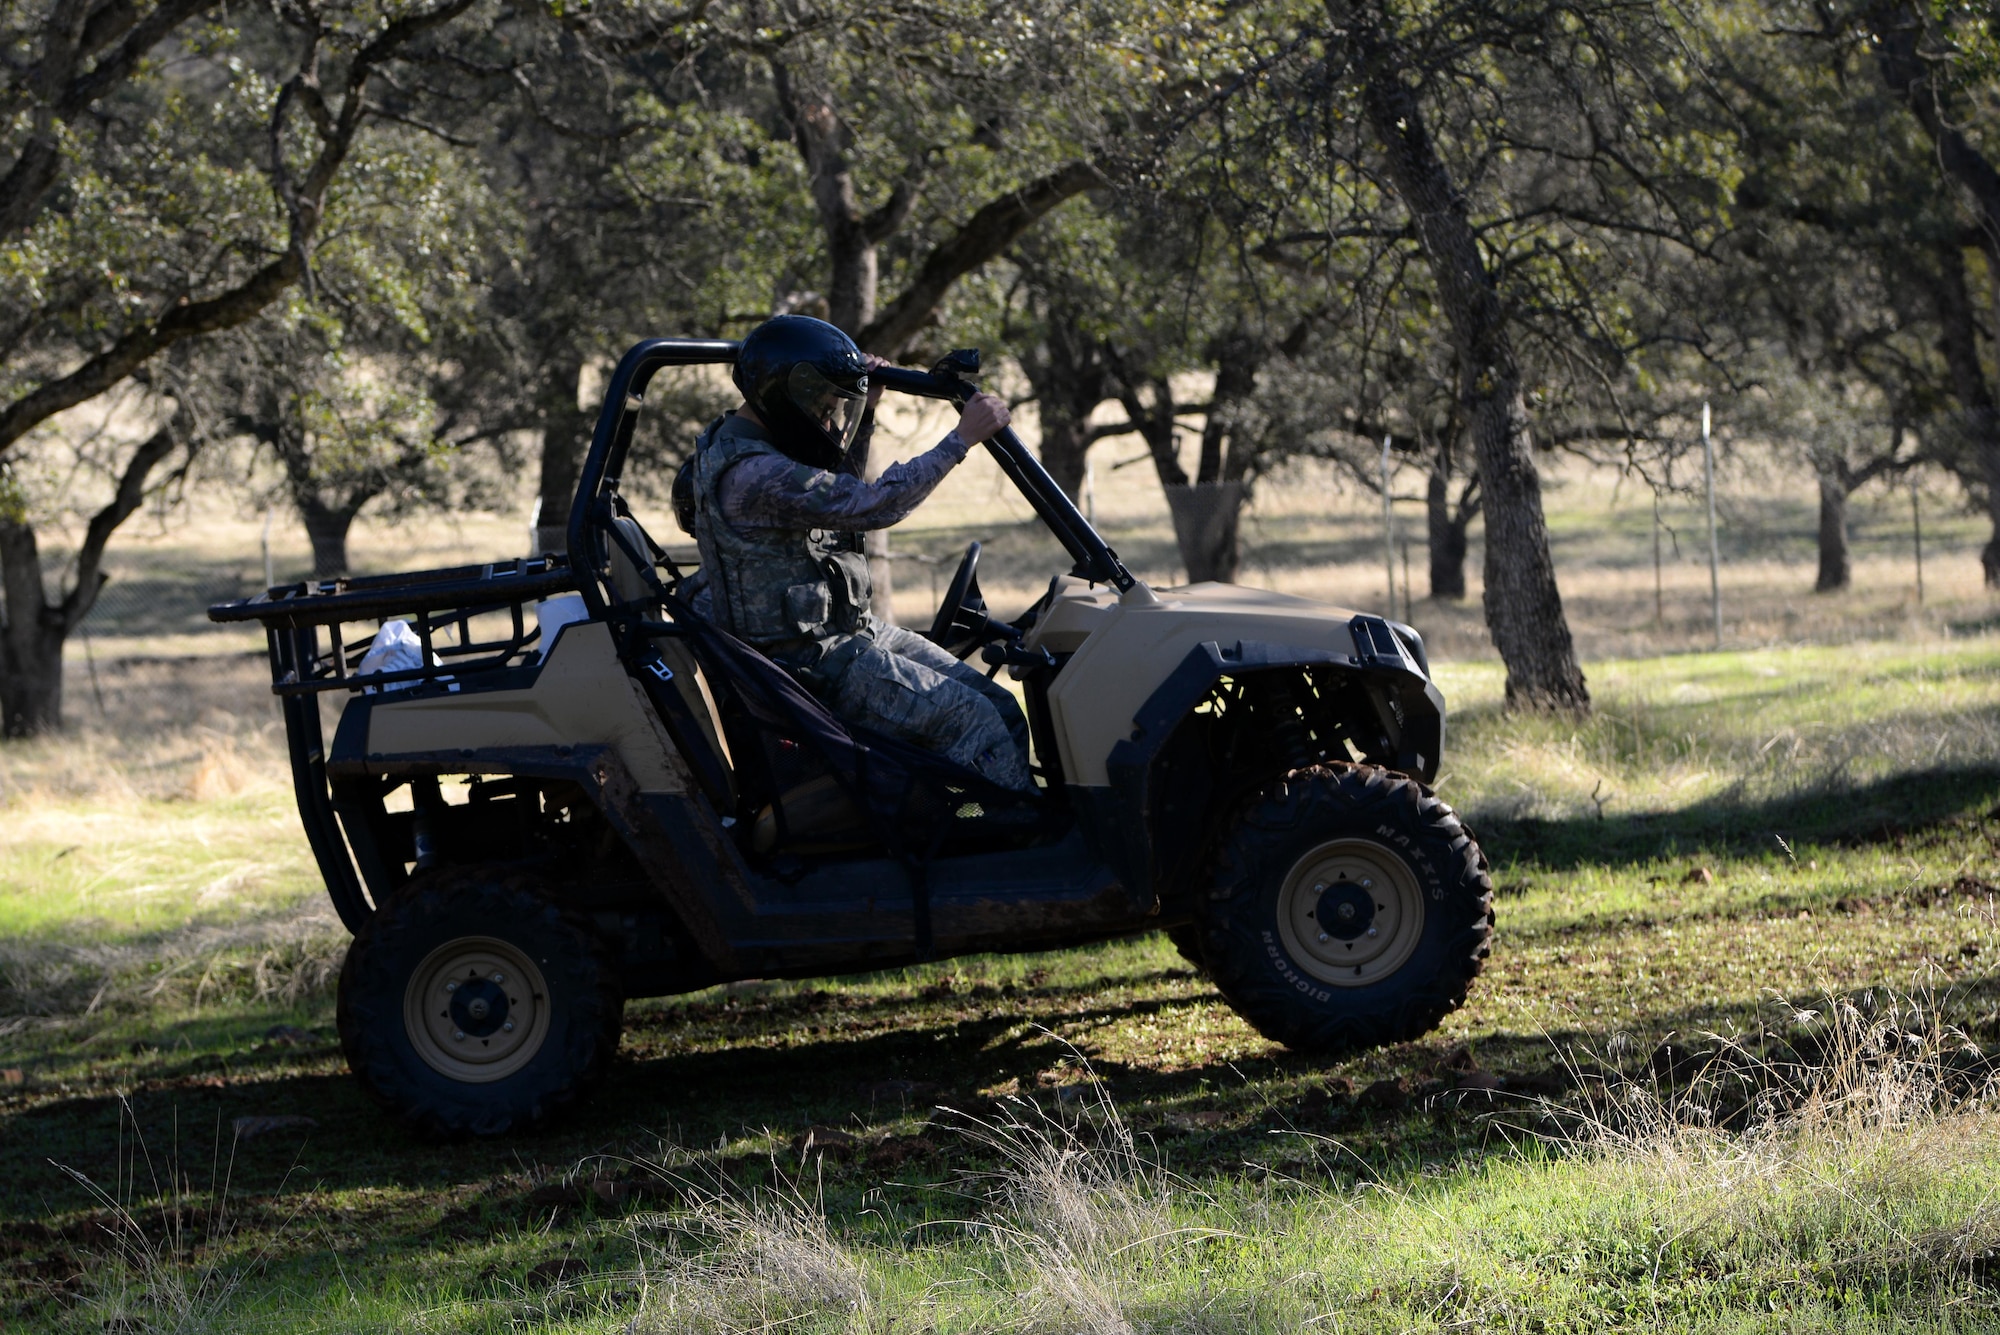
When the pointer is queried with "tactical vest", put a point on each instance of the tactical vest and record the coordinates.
(772, 585)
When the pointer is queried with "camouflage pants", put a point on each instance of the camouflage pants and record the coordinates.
(897, 682)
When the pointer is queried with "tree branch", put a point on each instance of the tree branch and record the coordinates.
(1896, 28)
(131, 493)
(984, 236)
(886, 221)
(304, 206)
(72, 33)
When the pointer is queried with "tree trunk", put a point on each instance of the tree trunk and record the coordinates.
(1898, 28)
(565, 440)
(1447, 535)
(822, 139)
(31, 640)
(1206, 511)
(326, 529)
(1524, 610)
(850, 301)
(1835, 569)
(32, 628)
(31, 686)
(1065, 443)
(1070, 375)
(1206, 516)
(1980, 417)
(1155, 424)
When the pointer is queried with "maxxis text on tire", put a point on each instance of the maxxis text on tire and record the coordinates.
(1348, 909)
(471, 1004)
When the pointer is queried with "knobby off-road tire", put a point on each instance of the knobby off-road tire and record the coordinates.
(471, 1004)
(1349, 909)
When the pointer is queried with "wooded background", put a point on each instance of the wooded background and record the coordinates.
(381, 251)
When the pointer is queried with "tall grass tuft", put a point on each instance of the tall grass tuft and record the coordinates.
(1069, 1220)
(1077, 1216)
(160, 1267)
(769, 1260)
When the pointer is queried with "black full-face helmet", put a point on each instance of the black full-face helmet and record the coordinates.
(808, 383)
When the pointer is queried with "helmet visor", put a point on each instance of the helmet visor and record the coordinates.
(835, 409)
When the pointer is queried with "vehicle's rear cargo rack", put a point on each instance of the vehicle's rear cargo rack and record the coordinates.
(432, 601)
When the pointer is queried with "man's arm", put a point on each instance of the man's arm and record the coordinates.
(773, 492)
(856, 459)
(769, 491)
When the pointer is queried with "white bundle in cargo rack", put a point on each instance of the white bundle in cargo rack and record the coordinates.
(396, 649)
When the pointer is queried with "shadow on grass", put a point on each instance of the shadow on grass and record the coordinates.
(764, 1083)
(1985, 625)
(703, 1074)
(1900, 806)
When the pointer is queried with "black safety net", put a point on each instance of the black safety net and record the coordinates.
(913, 795)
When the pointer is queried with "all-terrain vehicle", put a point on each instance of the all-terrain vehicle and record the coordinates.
(532, 824)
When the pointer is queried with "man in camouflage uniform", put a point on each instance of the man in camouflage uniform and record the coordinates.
(780, 501)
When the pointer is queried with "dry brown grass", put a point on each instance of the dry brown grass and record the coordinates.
(1308, 531)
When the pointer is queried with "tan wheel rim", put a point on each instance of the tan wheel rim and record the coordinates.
(476, 1010)
(1350, 912)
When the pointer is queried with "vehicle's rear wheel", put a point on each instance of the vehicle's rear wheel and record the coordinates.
(1349, 908)
(470, 1004)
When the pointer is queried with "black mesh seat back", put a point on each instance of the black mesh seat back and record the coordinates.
(910, 793)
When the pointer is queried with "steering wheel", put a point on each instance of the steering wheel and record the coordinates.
(962, 614)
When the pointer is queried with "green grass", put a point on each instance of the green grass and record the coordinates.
(127, 871)
(1730, 834)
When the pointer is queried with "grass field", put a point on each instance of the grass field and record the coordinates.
(1726, 1069)
(1732, 835)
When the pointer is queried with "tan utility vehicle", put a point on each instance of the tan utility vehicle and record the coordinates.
(527, 826)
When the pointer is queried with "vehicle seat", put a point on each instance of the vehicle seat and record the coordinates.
(630, 585)
(794, 805)
(805, 808)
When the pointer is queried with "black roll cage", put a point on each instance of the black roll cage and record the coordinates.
(603, 468)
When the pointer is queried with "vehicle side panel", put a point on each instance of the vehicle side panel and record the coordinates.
(581, 696)
(1130, 648)
(860, 913)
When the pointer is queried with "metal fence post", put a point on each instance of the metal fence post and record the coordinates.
(1659, 587)
(1917, 536)
(1388, 529)
(1714, 548)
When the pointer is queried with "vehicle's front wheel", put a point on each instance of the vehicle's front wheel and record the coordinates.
(470, 1004)
(1349, 909)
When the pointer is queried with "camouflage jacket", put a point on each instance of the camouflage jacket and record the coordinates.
(772, 491)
